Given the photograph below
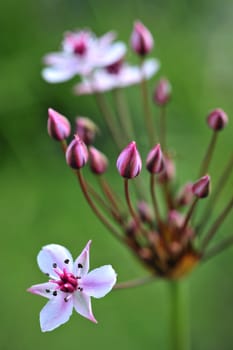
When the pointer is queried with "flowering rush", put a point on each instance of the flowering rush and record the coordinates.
(71, 285)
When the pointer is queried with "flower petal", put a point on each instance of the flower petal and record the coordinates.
(150, 67)
(43, 289)
(99, 282)
(82, 304)
(81, 264)
(54, 256)
(57, 74)
(55, 312)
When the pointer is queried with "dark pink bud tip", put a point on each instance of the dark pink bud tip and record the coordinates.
(98, 161)
(58, 125)
(141, 39)
(154, 161)
(162, 93)
(129, 162)
(217, 119)
(76, 153)
(86, 130)
(201, 187)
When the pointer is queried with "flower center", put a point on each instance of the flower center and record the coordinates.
(115, 67)
(80, 47)
(67, 283)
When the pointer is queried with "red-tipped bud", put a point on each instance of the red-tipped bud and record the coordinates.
(98, 161)
(76, 153)
(129, 163)
(154, 161)
(141, 39)
(86, 130)
(58, 125)
(201, 187)
(169, 170)
(217, 119)
(162, 92)
(185, 195)
(145, 211)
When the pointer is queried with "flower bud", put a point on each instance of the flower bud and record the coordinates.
(185, 195)
(145, 211)
(201, 187)
(98, 161)
(58, 125)
(129, 162)
(169, 170)
(154, 161)
(162, 92)
(76, 153)
(175, 218)
(141, 39)
(217, 119)
(86, 130)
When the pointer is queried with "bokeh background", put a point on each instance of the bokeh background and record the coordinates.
(40, 202)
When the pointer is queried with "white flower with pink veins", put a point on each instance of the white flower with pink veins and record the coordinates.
(117, 75)
(70, 285)
(82, 52)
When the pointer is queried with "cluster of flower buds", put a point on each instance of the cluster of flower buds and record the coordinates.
(158, 225)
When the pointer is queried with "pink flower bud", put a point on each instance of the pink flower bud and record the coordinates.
(86, 130)
(185, 195)
(129, 162)
(145, 211)
(98, 161)
(162, 92)
(154, 161)
(141, 39)
(58, 125)
(217, 119)
(76, 153)
(169, 170)
(201, 187)
(175, 218)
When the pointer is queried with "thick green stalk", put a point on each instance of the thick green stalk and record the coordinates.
(179, 333)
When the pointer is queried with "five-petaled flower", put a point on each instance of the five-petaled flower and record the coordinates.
(70, 285)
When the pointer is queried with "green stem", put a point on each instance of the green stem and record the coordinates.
(179, 316)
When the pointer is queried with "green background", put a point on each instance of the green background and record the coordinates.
(41, 203)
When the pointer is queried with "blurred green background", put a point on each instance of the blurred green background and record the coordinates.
(41, 202)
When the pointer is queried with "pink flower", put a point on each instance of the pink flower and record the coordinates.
(123, 75)
(70, 285)
(82, 52)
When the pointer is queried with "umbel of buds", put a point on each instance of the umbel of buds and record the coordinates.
(217, 119)
(77, 153)
(58, 125)
(141, 39)
(129, 163)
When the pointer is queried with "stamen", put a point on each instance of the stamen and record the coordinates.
(54, 265)
(47, 290)
(80, 266)
(55, 293)
(66, 261)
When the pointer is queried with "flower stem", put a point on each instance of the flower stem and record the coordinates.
(154, 200)
(147, 111)
(209, 153)
(179, 332)
(163, 127)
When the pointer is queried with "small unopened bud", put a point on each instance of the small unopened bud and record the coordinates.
(145, 211)
(185, 195)
(86, 130)
(154, 161)
(169, 170)
(129, 163)
(201, 187)
(98, 161)
(76, 153)
(58, 125)
(217, 119)
(175, 218)
(162, 92)
(141, 39)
